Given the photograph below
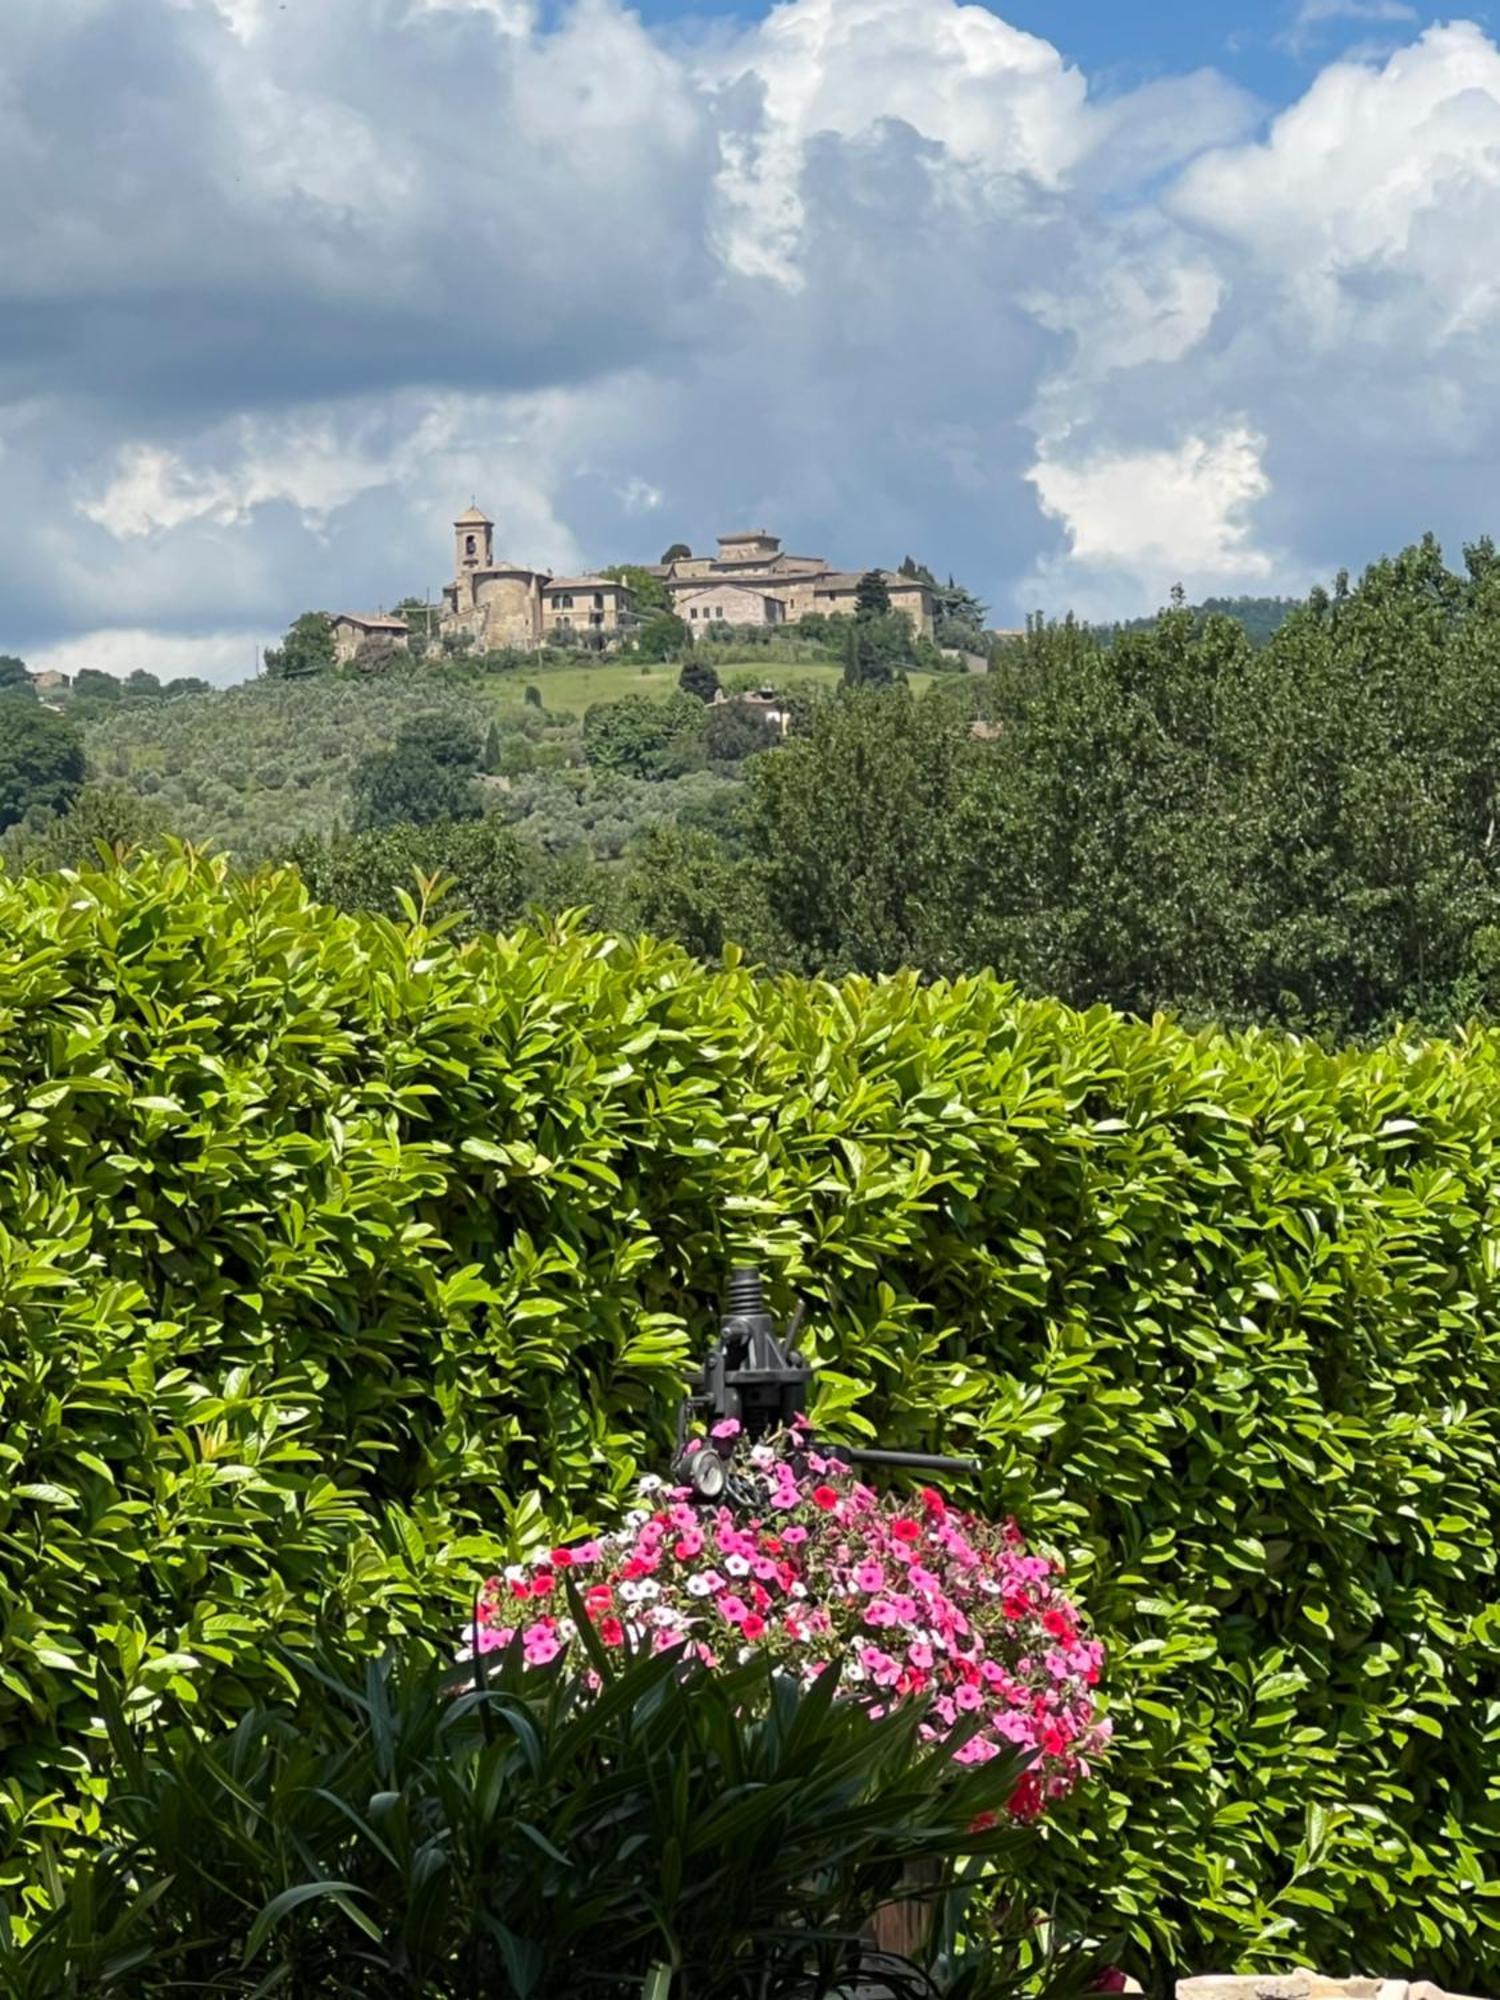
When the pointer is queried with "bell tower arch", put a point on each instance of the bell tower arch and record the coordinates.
(474, 542)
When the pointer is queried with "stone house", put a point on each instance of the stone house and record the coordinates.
(352, 628)
(727, 604)
(756, 564)
(499, 604)
(587, 605)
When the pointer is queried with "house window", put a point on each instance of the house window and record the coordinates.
(694, 612)
(598, 600)
(565, 602)
(718, 611)
(596, 618)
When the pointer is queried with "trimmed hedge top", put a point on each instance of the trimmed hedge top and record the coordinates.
(333, 1258)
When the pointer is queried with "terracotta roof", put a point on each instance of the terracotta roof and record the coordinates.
(371, 621)
(584, 583)
(472, 517)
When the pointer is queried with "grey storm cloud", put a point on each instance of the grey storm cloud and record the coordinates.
(282, 285)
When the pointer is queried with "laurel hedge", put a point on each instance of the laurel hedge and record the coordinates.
(335, 1257)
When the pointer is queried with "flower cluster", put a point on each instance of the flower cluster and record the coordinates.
(914, 1599)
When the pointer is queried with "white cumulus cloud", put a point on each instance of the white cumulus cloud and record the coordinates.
(1180, 514)
(281, 288)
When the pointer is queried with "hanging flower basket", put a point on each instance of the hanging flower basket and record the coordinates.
(913, 1599)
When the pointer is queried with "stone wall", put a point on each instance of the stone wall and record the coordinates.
(1307, 1986)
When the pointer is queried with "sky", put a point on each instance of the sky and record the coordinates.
(1074, 299)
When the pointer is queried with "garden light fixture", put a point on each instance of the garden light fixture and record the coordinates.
(754, 1383)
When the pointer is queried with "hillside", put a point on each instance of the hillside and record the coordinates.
(1261, 617)
(250, 768)
(255, 769)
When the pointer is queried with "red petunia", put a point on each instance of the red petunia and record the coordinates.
(611, 1631)
(754, 1626)
(906, 1530)
(1026, 1799)
(562, 1559)
(934, 1502)
(825, 1497)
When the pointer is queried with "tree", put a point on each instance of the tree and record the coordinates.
(494, 875)
(306, 649)
(663, 637)
(15, 679)
(874, 834)
(647, 592)
(421, 620)
(426, 776)
(872, 597)
(678, 552)
(379, 655)
(492, 747)
(138, 682)
(107, 818)
(877, 647)
(681, 884)
(93, 684)
(446, 739)
(734, 730)
(532, 696)
(959, 617)
(632, 735)
(698, 678)
(42, 764)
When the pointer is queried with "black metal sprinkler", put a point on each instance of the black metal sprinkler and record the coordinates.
(759, 1380)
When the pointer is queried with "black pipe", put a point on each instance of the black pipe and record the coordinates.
(919, 1461)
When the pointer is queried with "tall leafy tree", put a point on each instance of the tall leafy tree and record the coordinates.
(872, 596)
(306, 649)
(632, 736)
(699, 678)
(42, 764)
(872, 832)
(427, 775)
(15, 678)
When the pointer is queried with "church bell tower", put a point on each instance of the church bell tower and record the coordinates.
(474, 541)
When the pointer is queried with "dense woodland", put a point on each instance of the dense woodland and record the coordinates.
(1293, 825)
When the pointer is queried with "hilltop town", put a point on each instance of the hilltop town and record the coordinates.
(496, 604)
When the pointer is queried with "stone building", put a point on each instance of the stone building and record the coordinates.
(352, 628)
(752, 572)
(508, 605)
(727, 604)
